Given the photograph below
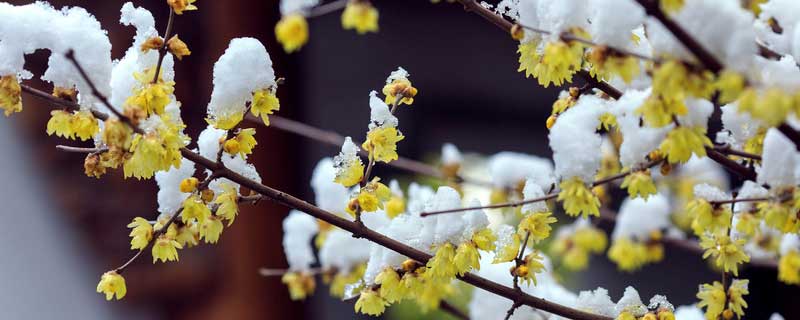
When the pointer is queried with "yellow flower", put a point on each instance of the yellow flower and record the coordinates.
(639, 184)
(779, 216)
(673, 80)
(141, 234)
(300, 284)
(671, 6)
(578, 199)
(350, 173)
(155, 152)
(529, 57)
(189, 185)
(508, 251)
(188, 235)
(558, 63)
(730, 85)
(69, 125)
(369, 302)
(538, 224)
(194, 208)
(179, 6)
(576, 259)
(391, 288)
(166, 249)
(712, 297)
(112, 284)
(292, 32)
(442, 265)
(771, 106)
(59, 124)
(10, 94)
(466, 258)
(152, 43)
(382, 143)
(533, 265)
(395, 206)
(748, 224)
(681, 142)
(265, 103)
(590, 238)
(177, 47)
(789, 268)
(666, 314)
(729, 253)
(228, 205)
(658, 111)
(605, 64)
(484, 239)
(627, 254)
(227, 121)
(211, 229)
(399, 87)
(341, 280)
(707, 217)
(243, 143)
(736, 291)
(117, 134)
(625, 315)
(361, 16)
(152, 98)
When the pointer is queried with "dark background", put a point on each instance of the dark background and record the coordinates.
(469, 94)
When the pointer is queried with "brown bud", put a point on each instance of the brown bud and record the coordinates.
(207, 195)
(92, 166)
(153, 43)
(410, 265)
(69, 94)
(517, 32)
(177, 47)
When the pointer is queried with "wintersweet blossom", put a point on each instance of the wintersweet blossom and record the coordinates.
(361, 16)
(112, 284)
(292, 32)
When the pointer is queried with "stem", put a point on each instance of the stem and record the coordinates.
(81, 149)
(327, 8)
(546, 197)
(335, 139)
(706, 58)
(163, 51)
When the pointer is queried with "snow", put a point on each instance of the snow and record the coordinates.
(24, 29)
(779, 153)
(244, 68)
(638, 217)
(507, 169)
(170, 197)
(298, 230)
(575, 142)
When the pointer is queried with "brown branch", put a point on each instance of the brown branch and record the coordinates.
(688, 245)
(505, 25)
(704, 56)
(361, 231)
(546, 197)
(81, 149)
(726, 149)
(732, 166)
(327, 8)
(163, 50)
(453, 310)
(335, 139)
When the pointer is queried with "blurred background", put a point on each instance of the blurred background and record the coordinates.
(61, 230)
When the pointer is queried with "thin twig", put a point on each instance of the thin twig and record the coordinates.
(704, 56)
(335, 139)
(327, 8)
(163, 50)
(546, 197)
(81, 149)
(726, 149)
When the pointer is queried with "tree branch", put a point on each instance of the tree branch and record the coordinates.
(704, 56)
(361, 231)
